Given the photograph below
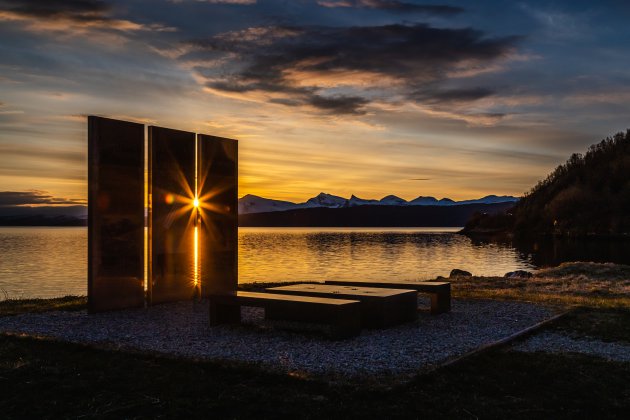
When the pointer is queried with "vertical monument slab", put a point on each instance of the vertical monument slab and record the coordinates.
(172, 269)
(218, 210)
(115, 214)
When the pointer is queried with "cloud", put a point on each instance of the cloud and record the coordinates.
(338, 104)
(451, 96)
(394, 6)
(240, 2)
(34, 197)
(341, 70)
(64, 15)
(60, 155)
(75, 9)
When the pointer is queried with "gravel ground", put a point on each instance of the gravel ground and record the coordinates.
(559, 343)
(182, 329)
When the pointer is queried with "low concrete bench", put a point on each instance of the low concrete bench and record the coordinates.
(439, 291)
(343, 316)
(380, 307)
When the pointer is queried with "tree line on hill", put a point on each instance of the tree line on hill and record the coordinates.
(587, 195)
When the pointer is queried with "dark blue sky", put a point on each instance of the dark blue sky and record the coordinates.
(359, 97)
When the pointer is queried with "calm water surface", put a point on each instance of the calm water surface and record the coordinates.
(43, 261)
(49, 261)
(315, 254)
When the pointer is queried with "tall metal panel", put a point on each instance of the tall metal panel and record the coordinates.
(172, 268)
(218, 208)
(115, 214)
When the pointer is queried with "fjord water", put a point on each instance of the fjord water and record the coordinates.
(316, 254)
(52, 261)
(43, 261)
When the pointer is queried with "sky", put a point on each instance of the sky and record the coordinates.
(454, 99)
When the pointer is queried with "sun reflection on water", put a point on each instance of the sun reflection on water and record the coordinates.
(196, 257)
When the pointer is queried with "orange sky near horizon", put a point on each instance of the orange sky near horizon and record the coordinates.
(459, 101)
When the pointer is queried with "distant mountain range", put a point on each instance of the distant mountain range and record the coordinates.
(43, 215)
(317, 211)
(254, 204)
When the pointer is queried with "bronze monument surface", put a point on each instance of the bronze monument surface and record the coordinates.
(115, 214)
(217, 175)
(172, 215)
(192, 221)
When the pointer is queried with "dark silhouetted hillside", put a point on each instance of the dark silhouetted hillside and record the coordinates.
(372, 216)
(41, 220)
(43, 215)
(588, 195)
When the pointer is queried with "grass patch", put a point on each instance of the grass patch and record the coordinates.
(43, 379)
(587, 270)
(19, 306)
(606, 325)
(622, 302)
(572, 291)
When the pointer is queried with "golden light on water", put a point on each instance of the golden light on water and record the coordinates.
(196, 258)
(196, 202)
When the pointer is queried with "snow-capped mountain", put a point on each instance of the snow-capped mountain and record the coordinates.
(432, 201)
(356, 201)
(326, 200)
(392, 200)
(490, 199)
(424, 201)
(447, 202)
(255, 204)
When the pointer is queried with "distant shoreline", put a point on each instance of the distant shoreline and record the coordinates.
(361, 216)
(43, 223)
(372, 216)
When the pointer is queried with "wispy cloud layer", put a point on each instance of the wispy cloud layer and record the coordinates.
(394, 6)
(34, 197)
(341, 70)
(41, 15)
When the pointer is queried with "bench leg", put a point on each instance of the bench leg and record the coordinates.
(440, 302)
(224, 314)
(346, 323)
(283, 311)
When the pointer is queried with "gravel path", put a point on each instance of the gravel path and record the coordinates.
(182, 329)
(559, 343)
